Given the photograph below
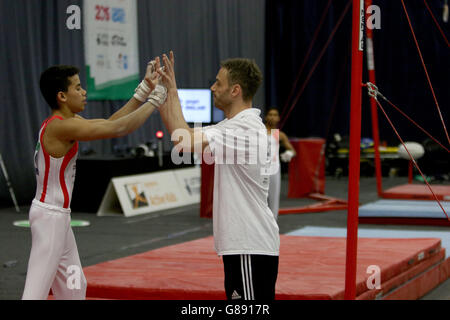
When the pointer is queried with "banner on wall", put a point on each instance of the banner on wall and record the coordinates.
(111, 48)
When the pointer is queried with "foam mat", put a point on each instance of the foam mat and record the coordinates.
(405, 209)
(310, 268)
(417, 191)
(420, 212)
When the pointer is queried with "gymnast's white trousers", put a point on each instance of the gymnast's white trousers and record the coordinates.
(54, 261)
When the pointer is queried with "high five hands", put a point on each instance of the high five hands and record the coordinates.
(158, 93)
(167, 74)
(158, 80)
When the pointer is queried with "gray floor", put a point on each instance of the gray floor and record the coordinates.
(109, 238)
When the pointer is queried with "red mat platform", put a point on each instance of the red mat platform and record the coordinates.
(418, 192)
(310, 268)
(51, 297)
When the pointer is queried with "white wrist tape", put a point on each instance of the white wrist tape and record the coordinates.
(158, 96)
(142, 91)
(287, 156)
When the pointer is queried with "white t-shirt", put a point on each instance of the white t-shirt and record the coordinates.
(242, 220)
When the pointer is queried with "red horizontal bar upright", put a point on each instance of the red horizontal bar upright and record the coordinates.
(355, 142)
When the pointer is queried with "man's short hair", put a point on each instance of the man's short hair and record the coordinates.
(54, 80)
(244, 72)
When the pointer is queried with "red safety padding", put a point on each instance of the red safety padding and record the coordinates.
(389, 287)
(51, 297)
(307, 169)
(421, 285)
(417, 191)
(207, 190)
(310, 268)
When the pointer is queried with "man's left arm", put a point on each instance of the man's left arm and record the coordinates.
(290, 151)
(186, 139)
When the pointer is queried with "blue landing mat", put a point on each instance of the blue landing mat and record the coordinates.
(405, 209)
(376, 233)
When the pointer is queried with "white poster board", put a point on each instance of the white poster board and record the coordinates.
(190, 182)
(111, 48)
(152, 192)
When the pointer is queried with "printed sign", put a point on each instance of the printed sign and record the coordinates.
(111, 48)
(145, 193)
